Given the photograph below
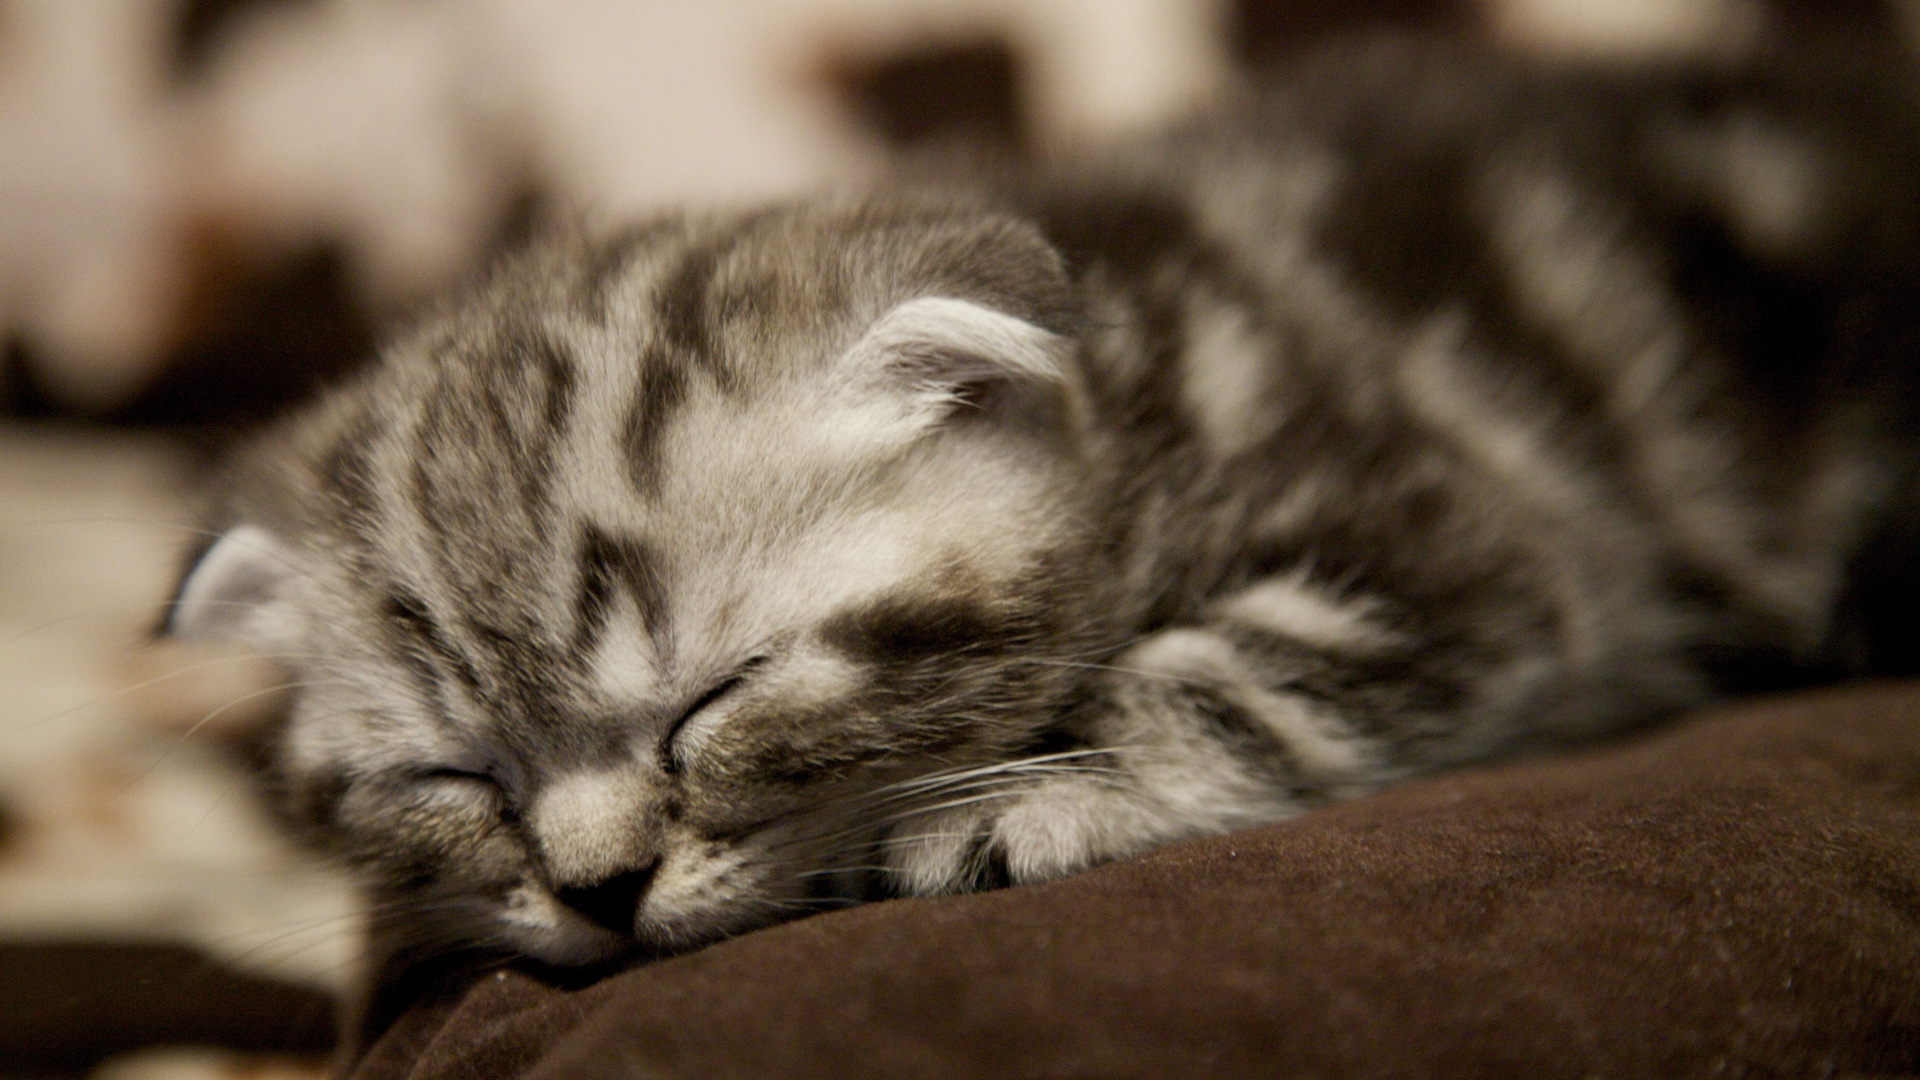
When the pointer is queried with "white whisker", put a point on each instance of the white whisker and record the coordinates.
(144, 684)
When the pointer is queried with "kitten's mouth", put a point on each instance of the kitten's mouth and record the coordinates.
(613, 904)
(536, 923)
(570, 939)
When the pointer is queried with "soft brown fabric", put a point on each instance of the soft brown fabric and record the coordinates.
(1739, 896)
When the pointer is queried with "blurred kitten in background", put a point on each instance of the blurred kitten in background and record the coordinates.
(175, 166)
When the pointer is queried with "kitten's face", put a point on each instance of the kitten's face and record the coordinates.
(622, 591)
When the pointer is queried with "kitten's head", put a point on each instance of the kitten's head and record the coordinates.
(627, 591)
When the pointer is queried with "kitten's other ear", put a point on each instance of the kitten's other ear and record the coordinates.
(234, 592)
(946, 355)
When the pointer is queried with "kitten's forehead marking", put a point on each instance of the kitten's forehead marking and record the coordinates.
(626, 664)
(737, 582)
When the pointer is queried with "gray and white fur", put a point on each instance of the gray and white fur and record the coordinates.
(1425, 409)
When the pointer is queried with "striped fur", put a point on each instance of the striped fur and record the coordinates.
(1421, 411)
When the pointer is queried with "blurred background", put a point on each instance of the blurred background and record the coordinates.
(209, 208)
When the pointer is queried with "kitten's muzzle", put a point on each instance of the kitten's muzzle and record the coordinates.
(615, 902)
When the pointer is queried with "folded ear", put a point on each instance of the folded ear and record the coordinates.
(236, 591)
(938, 356)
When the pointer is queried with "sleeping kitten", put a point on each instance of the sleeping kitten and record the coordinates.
(1426, 410)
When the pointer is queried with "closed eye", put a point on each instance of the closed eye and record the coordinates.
(445, 772)
(669, 761)
(471, 781)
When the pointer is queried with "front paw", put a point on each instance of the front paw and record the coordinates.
(1046, 829)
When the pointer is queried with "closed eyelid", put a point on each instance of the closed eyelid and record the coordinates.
(668, 761)
(481, 773)
(485, 779)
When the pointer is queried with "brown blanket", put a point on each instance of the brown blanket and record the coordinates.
(1739, 896)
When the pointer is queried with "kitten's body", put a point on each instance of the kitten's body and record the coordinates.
(1425, 412)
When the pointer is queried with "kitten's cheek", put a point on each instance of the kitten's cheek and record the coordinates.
(540, 926)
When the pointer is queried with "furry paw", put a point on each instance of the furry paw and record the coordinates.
(1045, 829)
(1162, 768)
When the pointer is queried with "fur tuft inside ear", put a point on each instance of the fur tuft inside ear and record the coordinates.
(947, 353)
(231, 592)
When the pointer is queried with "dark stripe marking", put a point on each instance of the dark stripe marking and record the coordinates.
(409, 614)
(663, 387)
(607, 562)
(681, 302)
(903, 629)
(607, 265)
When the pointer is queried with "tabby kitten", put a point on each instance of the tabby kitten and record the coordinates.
(1425, 410)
